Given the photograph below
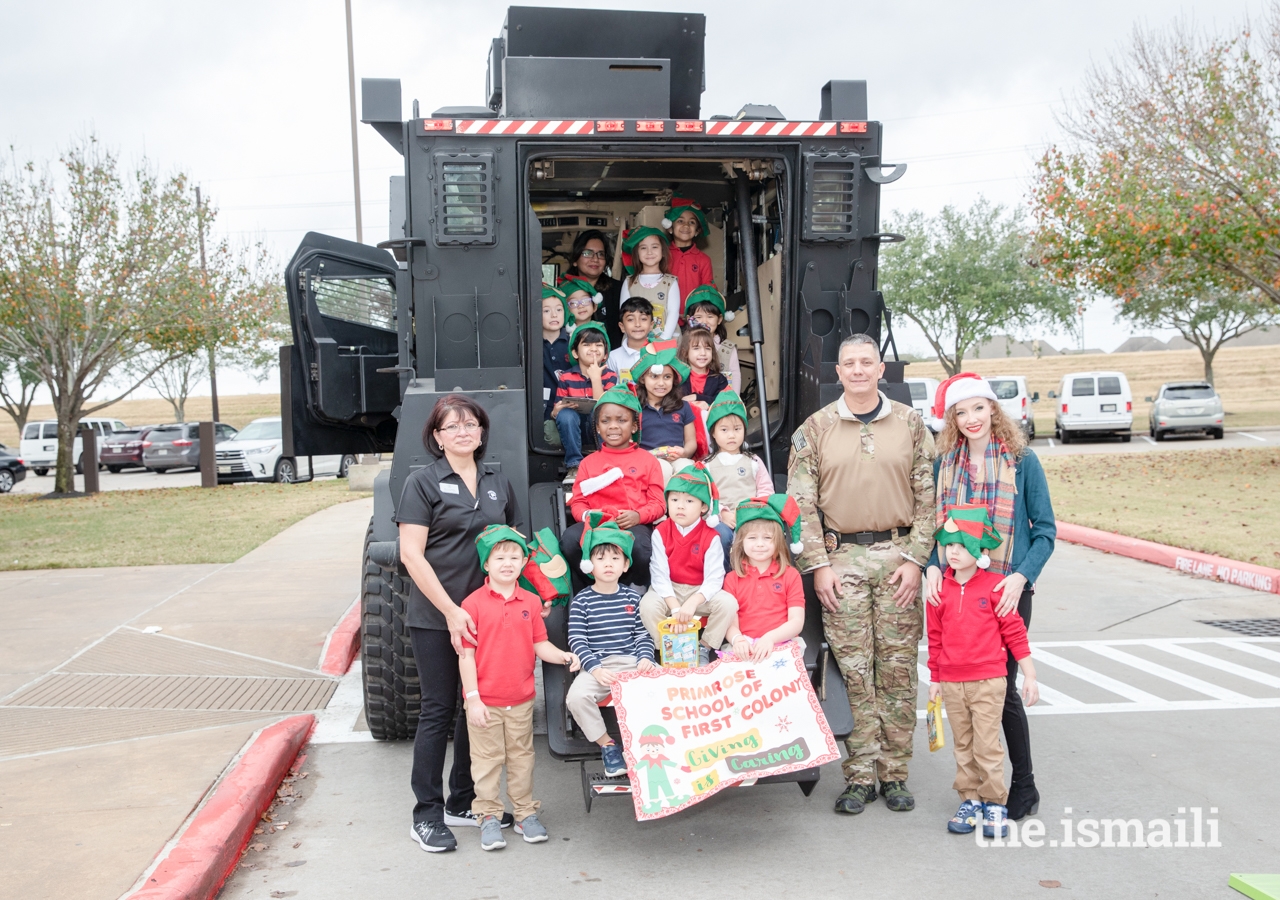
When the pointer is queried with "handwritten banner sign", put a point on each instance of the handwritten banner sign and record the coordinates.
(688, 733)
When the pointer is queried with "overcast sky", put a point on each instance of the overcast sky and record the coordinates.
(250, 98)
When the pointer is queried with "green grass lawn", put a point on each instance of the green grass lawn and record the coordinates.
(1217, 501)
(157, 527)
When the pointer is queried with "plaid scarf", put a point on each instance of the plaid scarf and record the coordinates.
(999, 487)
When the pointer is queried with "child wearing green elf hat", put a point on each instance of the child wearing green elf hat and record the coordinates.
(578, 389)
(705, 306)
(580, 300)
(688, 225)
(968, 644)
(646, 254)
(686, 564)
(555, 343)
(762, 579)
(666, 418)
(496, 667)
(739, 475)
(605, 631)
(619, 479)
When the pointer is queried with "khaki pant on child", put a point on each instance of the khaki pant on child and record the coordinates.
(974, 709)
(721, 609)
(508, 738)
(585, 694)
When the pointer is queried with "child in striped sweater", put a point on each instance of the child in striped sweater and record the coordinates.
(605, 632)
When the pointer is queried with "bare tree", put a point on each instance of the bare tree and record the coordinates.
(19, 382)
(175, 379)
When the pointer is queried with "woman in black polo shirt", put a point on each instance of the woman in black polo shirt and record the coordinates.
(443, 507)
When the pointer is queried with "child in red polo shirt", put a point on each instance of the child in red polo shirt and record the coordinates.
(686, 564)
(497, 683)
(767, 587)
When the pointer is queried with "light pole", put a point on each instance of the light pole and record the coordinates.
(355, 143)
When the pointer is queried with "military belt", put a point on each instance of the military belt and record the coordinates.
(834, 539)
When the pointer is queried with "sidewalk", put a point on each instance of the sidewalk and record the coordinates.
(124, 693)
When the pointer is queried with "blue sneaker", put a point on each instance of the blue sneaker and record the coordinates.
(966, 818)
(614, 764)
(995, 819)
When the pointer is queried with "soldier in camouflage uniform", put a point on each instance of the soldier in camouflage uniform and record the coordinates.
(861, 470)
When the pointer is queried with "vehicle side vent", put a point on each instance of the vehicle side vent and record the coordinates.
(464, 208)
(830, 197)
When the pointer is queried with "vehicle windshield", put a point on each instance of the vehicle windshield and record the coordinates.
(1108, 385)
(1005, 388)
(918, 391)
(1082, 387)
(1189, 392)
(167, 433)
(259, 431)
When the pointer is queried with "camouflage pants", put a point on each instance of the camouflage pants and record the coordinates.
(876, 646)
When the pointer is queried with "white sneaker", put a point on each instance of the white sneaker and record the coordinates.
(468, 819)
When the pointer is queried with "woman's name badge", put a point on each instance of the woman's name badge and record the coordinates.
(448, 488)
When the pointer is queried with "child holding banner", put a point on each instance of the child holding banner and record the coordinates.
(605, 633)
(685, 580)
(761, 578)
(967, 659)
(496, 668)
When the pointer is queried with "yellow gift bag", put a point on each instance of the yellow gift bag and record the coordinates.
(933, 721)
(678, 644)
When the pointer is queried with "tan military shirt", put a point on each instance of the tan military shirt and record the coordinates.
(871, 476)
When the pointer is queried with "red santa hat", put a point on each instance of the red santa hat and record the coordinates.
(964, 386)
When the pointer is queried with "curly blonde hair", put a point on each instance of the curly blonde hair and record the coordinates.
(1002, 429)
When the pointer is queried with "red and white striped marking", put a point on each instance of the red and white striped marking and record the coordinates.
(771, 129)
(525, 126)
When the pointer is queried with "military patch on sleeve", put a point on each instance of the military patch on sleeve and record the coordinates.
(798, 441)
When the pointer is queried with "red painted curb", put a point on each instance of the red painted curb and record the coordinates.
(1192, 562)
(343, 645)
(209, 849)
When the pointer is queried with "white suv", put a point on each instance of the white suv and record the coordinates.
(256, 454)
(39, 443)
(922, 394)
(1011, 393)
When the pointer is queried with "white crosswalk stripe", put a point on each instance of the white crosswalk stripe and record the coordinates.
(1194, 664)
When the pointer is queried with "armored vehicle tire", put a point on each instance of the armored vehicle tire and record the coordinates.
(392, 697)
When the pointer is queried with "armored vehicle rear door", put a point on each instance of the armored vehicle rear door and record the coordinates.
(339, 380)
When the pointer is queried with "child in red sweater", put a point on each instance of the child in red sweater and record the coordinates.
(620, 479)
(686, 569)
(767, 587)
(692, 267)
(967, 658)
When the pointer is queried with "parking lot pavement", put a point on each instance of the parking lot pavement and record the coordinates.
(125, 692)
(128, 480)
(1142, 443)
(1151, 715)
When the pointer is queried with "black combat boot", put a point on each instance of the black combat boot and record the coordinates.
(855, 798)
(896, 796)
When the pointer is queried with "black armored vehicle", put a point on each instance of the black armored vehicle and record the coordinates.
(487, 209)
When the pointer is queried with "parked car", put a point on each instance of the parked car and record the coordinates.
(12, 469)
(1185, 407)
(39, 443)
(1093, 403)
(922, 394)
(177, 446)
(1011, 392)
(257, 454)
(123, 449)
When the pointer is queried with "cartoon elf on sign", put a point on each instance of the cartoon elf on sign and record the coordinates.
(653, 740)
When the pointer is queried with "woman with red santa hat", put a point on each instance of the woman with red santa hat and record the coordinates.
(983, 457)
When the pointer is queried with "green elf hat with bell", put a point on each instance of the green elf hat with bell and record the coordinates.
(576, 333)
(707, 293)
(655, 734)
(657, 360)
(682, 205)
(727, 403)
(619, 396)
(571, 286)
(598, 529)
(696, 481)
(494, 535)
(970, 525)
(780, 508)
(632, 239)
